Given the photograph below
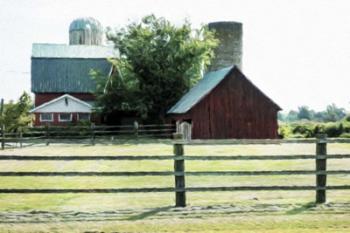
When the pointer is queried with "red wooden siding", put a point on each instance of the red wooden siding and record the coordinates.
(93, 117)
(233, 109)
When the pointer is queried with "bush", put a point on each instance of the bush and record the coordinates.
(311, 129)
(284, 131)
(345, 135)
(305, 129)
(334, 129)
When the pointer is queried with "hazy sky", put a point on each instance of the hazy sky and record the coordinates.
(297, 51)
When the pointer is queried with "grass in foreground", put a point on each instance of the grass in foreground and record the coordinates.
(207, 212)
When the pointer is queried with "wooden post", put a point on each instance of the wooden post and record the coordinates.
(92, 134)
(47, 135)
(179, 168)
(20, 137)
(321, 167)
(2, 125)
(136, 129)
(2, 137)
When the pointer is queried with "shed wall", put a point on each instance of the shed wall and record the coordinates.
(233, 109)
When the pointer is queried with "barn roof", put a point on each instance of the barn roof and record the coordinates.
(204, 87)
(65, 68)
(64, 103)
(72, 51)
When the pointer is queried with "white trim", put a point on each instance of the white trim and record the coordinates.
(57, 99)
(41, 120)
(70, 117)
(78, 116)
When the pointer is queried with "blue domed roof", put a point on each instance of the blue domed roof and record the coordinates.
(85, 23)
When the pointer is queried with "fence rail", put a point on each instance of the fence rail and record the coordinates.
(48, 134)
(179, 172)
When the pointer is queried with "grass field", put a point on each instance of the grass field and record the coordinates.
(263, 211)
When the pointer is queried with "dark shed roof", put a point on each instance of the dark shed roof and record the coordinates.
(63, 68)
(203, 88)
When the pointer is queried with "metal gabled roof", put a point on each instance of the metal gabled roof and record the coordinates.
(199, 91)
(204, 87)
(66, 75)
(72, 51)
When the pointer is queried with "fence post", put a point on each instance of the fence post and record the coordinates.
(2, 137)
(47, 135)
(179, 168)
(20, 137)
(321, 168)
(92, 134)
(136, 129)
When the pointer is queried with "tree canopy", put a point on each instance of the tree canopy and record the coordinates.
(332, 113)
(158, 63)
(16, 114)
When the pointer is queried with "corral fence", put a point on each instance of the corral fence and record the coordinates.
(180, 173)
(49, 134)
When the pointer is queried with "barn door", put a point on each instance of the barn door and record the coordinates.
(185, 129)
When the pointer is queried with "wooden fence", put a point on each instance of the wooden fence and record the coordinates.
(179, 172)
(48, 134)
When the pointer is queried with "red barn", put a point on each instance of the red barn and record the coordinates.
(226, 104)
(60, 74)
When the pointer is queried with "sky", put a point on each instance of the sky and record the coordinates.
(296, 51)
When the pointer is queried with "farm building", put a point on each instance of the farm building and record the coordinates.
(60, 74)
(225, 103)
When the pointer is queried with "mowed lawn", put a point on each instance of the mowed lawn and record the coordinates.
(248, 211)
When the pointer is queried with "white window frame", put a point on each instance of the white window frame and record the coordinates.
(42, 120)
(61, 120)
(78, 115)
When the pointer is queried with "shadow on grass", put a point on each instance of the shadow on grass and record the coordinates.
(301, 208)
(149, 213)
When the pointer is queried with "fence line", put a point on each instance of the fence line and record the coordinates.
(180, 173)
(92, 133)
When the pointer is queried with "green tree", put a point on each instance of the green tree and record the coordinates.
(304, 113)
(333, 113)
(158, 63)
(16, 115)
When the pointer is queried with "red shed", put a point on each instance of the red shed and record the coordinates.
(226, 104)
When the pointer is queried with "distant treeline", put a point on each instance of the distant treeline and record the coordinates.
(306, 123)
(331, 114)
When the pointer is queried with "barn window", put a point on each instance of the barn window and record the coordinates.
(63, 117)
(46, 117)
(84, 116)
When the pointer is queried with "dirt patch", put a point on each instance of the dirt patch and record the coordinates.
(37, 216)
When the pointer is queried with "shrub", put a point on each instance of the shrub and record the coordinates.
(305, 129)
(345, 135)
(347, 118)
(334, 129)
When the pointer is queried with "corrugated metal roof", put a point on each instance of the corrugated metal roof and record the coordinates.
(199, 91)
(73, 51)
(66, 75)
(83, 23)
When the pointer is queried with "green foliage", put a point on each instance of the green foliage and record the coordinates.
(158, 63)
(16, 115)
(304, 113)
(308, 129)
(331, 114)
(333, 129)
(285, 131)
(347, 118)
(345, 135)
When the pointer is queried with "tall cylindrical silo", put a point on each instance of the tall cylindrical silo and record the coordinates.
(229, 50)
(85, 31)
